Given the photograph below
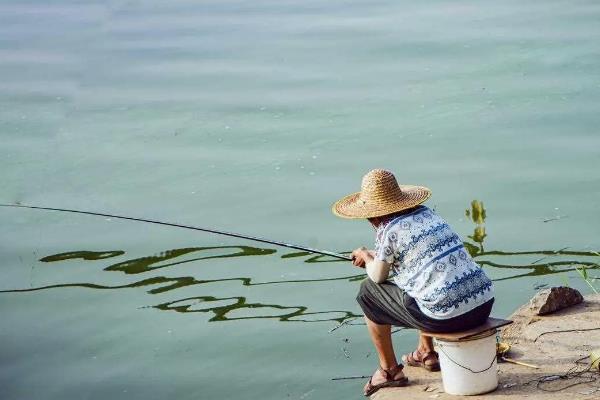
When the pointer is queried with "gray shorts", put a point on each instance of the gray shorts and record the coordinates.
(387, 304)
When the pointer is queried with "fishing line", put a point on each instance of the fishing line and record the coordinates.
(195, 228)
(588, 375)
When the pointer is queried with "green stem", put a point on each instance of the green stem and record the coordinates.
(585, 278)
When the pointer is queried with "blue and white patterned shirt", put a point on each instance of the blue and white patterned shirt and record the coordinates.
(429, 262)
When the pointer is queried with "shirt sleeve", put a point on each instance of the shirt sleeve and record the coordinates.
(378, 271)
(387, 247)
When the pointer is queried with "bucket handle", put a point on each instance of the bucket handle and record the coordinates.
(441, 348)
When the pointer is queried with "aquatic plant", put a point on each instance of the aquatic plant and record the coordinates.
(586, 278)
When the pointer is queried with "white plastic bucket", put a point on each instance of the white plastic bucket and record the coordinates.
(469, 366)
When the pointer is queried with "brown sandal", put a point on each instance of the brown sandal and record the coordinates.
(390, 381)
(413, 361)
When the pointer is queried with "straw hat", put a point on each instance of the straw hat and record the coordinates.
(380, 195)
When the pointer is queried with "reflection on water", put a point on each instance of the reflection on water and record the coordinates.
(84, 255)
(237, 307)
(227, 311)
(222, 312)
(145, 264)
(319, 258)
(477, 214)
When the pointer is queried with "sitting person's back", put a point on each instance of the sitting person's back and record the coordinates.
(428, 260)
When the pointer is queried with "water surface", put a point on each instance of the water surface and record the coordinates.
(254, 117)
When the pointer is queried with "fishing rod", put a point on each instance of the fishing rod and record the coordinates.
(195, 228)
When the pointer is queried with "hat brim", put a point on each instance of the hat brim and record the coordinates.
(351, 207)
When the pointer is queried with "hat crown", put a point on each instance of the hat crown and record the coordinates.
(379, 184)
(380, 195)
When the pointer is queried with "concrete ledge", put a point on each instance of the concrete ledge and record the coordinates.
(532, 342)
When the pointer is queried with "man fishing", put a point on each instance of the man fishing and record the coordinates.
(435, 287)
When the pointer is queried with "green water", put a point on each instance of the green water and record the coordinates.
(254, 117)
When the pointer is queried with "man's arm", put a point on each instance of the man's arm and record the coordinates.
(377, 270)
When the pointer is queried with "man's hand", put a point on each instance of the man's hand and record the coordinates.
(361, 256)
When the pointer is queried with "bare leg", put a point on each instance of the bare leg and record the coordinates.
(381, 335)
(425, 343)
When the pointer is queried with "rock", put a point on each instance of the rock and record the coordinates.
(544, 302)
(550, 300)
(595, 358)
